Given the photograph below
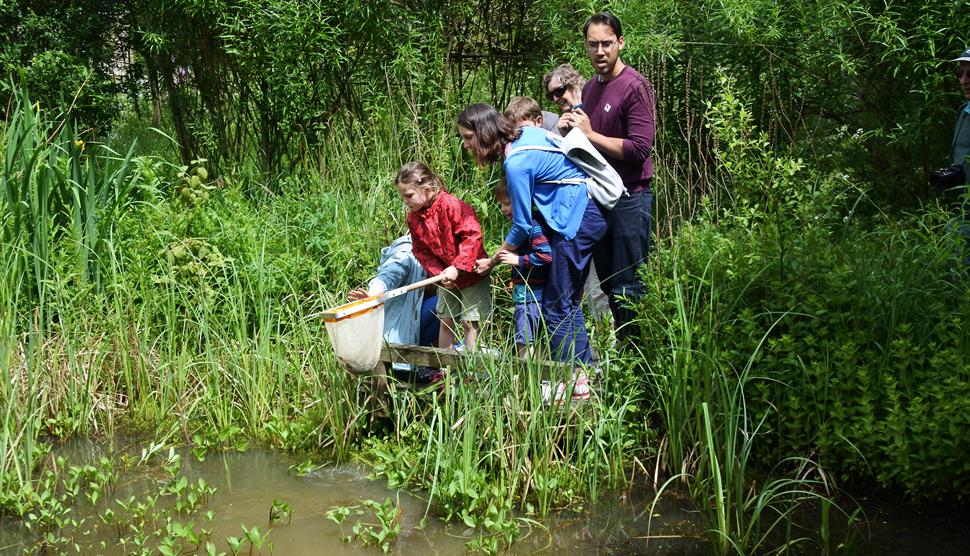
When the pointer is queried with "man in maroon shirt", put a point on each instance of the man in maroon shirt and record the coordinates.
(618, 117)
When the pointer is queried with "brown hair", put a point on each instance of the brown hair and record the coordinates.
(492, 131)
(567, 75)
(522, 108)
(501, 190)
(417, 174)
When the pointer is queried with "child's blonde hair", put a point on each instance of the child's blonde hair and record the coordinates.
(416, 174)
(522, 108)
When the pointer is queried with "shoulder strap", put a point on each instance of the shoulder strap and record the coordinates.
(568, 181)
(517, 150)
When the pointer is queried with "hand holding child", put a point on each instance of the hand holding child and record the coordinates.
(508, 257)
(482, 266)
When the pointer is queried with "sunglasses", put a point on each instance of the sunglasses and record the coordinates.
(557, 92)
(961, 72)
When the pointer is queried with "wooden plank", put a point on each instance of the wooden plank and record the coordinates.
(421, 355)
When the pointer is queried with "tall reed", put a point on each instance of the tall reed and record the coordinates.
(711, 432)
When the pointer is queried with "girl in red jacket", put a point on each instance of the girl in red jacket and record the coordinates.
(447, 239)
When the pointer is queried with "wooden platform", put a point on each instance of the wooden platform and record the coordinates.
(437, 357)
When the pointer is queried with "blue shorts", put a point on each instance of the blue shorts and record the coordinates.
(528, 322)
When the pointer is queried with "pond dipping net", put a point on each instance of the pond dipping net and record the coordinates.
(356, 331)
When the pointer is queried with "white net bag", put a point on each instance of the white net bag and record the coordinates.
(356, 332)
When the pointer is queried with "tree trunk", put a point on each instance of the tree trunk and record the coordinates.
(178, 109)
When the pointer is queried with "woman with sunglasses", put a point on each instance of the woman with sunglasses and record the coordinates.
(557, 188)
(564, 87)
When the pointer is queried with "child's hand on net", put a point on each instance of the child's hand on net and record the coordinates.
(508, 257)
(359, 293)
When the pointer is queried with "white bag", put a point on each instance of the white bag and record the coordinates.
(604, 183)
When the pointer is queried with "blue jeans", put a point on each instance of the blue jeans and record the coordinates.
(562, 295)
(528, 322)
(429, 321)
(619, 255)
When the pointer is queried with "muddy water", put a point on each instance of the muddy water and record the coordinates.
(249, 482)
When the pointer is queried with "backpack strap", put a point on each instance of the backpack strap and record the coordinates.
(568, 181)
(519, 149)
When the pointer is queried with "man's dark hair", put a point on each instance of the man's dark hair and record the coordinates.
(605, 18)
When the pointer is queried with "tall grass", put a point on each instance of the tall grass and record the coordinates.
(53, 198)
(712, 433)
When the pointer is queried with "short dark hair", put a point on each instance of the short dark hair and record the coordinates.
(501, 190)
(604, 18)
(492, 131)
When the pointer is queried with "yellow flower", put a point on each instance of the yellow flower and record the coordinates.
(79, 144)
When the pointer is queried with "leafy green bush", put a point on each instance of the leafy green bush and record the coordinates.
(856, 329)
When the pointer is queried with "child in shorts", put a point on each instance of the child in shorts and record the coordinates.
(447, 240)
(529, 272)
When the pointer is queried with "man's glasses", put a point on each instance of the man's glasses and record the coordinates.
(557, 92)
(961, 72)
(594, 46)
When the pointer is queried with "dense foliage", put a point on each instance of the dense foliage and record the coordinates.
(853, 85)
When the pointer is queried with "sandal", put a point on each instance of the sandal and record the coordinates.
(581, 389)
(552, 394)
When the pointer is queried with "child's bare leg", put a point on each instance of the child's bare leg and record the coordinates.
(524, 350)
(446, 333)
(471, 333)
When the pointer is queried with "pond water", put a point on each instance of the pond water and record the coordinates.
(247, 484)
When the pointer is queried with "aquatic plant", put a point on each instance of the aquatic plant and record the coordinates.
(382, 533)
